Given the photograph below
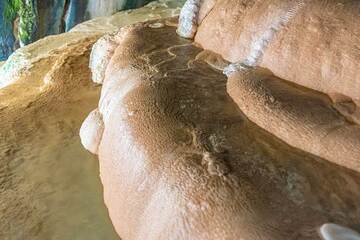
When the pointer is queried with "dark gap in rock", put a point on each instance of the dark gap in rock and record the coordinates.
(63, 17)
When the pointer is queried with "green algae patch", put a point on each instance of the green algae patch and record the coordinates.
(27, 14)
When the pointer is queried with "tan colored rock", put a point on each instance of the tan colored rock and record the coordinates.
(317, 48)
(46, 177)
(23, 62)
(301, 117)
(100, 57)
(309, 43)
(179, 160)
(49, 185)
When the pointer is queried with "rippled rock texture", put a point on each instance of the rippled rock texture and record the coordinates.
(22, 62)
(268, 150)
(49, 185)
(311, 44)
(179, 159)
(24, 21)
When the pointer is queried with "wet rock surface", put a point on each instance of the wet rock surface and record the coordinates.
(307, 43)
(186, 152)
(301, 117)
(49, 185)
(179, 159)
(310, 43)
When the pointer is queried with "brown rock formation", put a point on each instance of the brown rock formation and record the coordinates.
(49, 186)
(179, 160)
(318, 48)
(310, 43)
(301, 117)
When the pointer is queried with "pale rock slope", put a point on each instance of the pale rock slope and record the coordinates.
(49, 187)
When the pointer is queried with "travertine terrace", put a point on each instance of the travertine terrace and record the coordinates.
(237, 119)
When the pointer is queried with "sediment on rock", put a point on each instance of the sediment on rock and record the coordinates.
(316, 49)
(324, 61)
(301, 117)
(23, 61)
(270, 151)
(173, 135)
(45, 174)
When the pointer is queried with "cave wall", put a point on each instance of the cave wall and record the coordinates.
(7, 39)
(25, 21)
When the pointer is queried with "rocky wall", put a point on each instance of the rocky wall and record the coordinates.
(25, 21)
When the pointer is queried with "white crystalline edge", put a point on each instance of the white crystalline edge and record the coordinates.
(112, 101)
(16, 64)
(100, 57)
(259, 46)
(236, 67)
(113, 92)
(330, 231)
(91, 131)
(188, 18)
